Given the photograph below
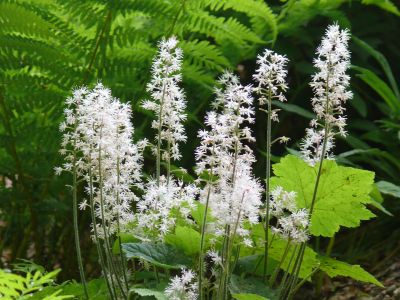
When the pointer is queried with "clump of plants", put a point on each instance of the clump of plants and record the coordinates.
(225, 233)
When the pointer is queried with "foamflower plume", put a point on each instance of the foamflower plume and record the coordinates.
(183, 287)
(167, 98)
(271, 76)
(292, 223)
(155, 208)
(97, 126)
(329, 85)
(236, 195)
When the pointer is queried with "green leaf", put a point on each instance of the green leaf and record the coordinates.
(254, 264)
(341, 197)
(248, 297)
(277, 248)
(293, 108)
(125, 238)
(383, 4)
(186, 239)
(198, 214)
(388, 188)
(377, 200)
(380, 87)
(160, 255)
(334, 268)
(310, 261)
(149, 292)
(382, 61)
(249, 285)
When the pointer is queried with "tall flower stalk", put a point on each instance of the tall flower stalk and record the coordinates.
(330, 86)
(167, 103)
(110, 163)
(165, 193)
(271, 79)
(234, 197)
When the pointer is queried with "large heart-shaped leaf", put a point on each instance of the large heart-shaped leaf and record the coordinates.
(343, 192)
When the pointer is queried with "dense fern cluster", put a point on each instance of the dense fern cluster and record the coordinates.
(49, 46)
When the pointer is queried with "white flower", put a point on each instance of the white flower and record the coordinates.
(215, 257)
(184, 287)
(271, 75)
(98, 144)
(282, 201)
(167, 98)
(330, 85)
(236, 196)
(292, 223)
(155, 207)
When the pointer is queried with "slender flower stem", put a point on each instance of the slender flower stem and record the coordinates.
(278, 267)
(303, 281)
(203, 232)
(123, 265)
(283, 282)
(106, 235)
(76, 228)
(267, 179)
(158, 162)
(96, 236)
(322, 157)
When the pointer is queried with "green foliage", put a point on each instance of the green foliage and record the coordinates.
(51, 46)
(159, 295)
(248, 297)
(97, 290)
(388, 188)
(341, 198)
(185, 239)
(254, 286)
(14, 286)
(160, 255)
(333, 268)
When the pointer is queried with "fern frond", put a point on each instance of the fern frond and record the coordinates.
(220, 28)
(204, 55)
(262, 18)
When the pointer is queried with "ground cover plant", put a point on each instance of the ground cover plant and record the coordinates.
(199, 188)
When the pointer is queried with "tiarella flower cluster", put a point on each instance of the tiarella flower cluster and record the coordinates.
(330, 85)
(271, 76)
(168, 99)
(162, 204)
(236, 195)
(184, 287)
(292, 223)
(165, 198)
(98, 140)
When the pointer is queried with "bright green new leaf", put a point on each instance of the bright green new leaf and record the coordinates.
(186, 239)
(343, 193)
(160, 255)
(334, 268)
